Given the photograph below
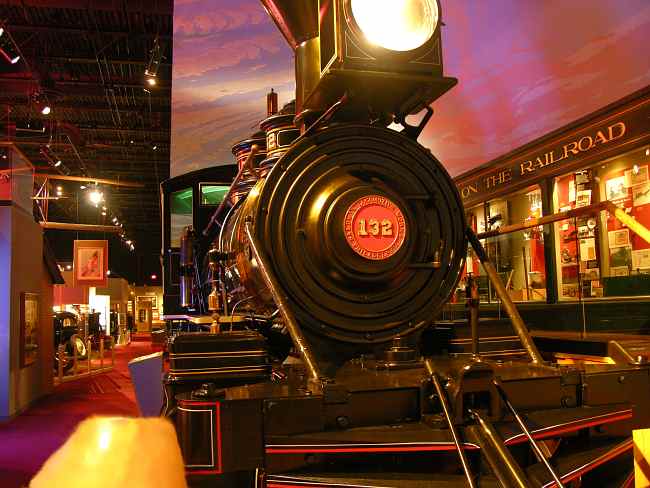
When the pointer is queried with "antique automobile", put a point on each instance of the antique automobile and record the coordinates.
(67, 332)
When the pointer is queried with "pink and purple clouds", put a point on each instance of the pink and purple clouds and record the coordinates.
(525, 68)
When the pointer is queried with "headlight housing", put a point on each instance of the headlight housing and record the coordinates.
(396, 25)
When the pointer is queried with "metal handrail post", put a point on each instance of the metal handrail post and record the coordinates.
(297, 336)
(517, 322)
(89, 350)
(450, 423)
(75, 354)
(533, 442)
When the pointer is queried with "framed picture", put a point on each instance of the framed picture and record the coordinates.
(620, 256)
(633, 178)
(90, 263)
(615, 188)
(28, 328)
(641, 194)
(619, 238)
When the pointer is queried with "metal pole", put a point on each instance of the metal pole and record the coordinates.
(89, 348)
(299, 340)
(503, 465)
(533, 442)
(548, 219)
(103, 181)
(74, 354)
(452, 428)
(508, 304)
(61, 353)
(101, 353)
(473, 304)
(226, 199)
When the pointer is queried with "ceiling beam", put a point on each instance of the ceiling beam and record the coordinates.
(68, 60)
(58, 29)
(128, 184)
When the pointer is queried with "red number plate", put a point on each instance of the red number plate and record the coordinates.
(374, 227)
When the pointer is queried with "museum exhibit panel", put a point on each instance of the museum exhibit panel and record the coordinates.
(591, 267)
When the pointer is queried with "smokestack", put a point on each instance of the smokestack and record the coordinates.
(298, 22)
(296, 19)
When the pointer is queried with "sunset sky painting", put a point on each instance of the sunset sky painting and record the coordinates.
(525, 68)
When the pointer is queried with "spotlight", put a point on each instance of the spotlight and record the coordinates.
(647, 152)
(132, 247)
(108, 272)
(128, 242)
(68, 267)
(115, 220)
(95, 197)
(46, 110)
(155, 148)
(58, 188)
(154, 277)
(397, 26)
(151, 81)
(83, 187)
(103, 213)
(363, 43)
(104, 209)
(635, 169)
(2, 31)
(132, 141)
(58, 163)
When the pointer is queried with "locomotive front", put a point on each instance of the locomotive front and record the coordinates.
(337, 245)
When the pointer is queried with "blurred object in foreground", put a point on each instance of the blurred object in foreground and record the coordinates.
(108, 452)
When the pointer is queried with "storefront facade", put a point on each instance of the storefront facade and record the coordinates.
(592, 259)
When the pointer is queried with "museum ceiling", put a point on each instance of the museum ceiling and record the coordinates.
(86, 61)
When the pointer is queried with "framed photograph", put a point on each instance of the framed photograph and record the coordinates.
(638, 178)
(619, 271)
(618, 238)
(90, 263)
(28, 328)
(620, 256)
(641, 194)
(615, 188)
(641, 259)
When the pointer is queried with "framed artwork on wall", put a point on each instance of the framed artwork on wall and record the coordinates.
(29, 319)
(90, 263)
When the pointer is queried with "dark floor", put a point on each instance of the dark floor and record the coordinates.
(29, 439)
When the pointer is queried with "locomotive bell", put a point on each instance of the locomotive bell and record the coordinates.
(386, 53)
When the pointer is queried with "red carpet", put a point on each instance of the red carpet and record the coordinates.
(28, 440)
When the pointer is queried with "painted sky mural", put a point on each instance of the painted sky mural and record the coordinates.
(525, 67)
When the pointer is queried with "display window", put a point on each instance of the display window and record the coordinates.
(518, 256)
(597, 256)
(181, 211)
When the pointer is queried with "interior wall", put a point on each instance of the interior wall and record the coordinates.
(5, 309)
(26, 275)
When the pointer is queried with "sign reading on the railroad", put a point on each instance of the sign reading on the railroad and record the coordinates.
(578, 146)
(374, 227)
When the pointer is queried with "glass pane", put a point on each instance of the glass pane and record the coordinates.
(624, 181)
(578, 256)
(213, 194)
(180, 204)
(517, 256)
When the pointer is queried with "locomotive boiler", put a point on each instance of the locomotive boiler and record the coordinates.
(329, 260)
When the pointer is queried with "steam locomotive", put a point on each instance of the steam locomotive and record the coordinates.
(318, 279)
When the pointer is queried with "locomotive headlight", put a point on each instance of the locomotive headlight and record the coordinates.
(396, 25)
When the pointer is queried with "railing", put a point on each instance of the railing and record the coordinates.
(84, 367)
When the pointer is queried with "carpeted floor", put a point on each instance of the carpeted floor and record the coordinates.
(28, 440)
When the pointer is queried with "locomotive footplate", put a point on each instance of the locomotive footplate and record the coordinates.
(390, 421)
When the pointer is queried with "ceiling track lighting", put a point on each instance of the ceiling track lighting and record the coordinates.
(8, 47)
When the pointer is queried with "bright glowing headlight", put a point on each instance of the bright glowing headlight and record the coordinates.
(397, 25)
